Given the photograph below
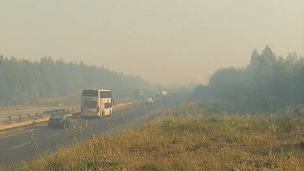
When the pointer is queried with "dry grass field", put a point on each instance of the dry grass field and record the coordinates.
(186, 137)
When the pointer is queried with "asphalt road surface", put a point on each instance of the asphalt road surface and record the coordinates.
(15, 148)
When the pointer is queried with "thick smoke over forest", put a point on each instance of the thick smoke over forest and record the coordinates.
(269, 81)
(26, 82)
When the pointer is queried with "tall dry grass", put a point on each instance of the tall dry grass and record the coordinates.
(185, 138)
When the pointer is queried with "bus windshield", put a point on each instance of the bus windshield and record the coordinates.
(92, 93)
(105, 94)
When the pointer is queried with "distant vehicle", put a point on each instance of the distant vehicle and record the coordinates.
(158, 97)
(59, 121)
(153, 99)
(163, 93)
(149, 100)
(60, 104)
(96, 102)
(141, 94)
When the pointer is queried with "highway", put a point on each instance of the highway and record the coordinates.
(7, 114)
(15, 148)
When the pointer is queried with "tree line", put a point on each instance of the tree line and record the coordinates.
(24, 81)
(268, 81)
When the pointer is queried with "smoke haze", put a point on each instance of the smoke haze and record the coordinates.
(172, 41)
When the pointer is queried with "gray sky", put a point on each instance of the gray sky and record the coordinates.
(167, 41)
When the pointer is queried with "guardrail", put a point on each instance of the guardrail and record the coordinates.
(37, 115)
(20, 120)
(18, 113)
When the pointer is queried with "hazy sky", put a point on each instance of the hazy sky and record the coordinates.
(167, 41)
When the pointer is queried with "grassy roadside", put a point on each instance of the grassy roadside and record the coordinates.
(187, 138)
(44, 103)
(24, 108)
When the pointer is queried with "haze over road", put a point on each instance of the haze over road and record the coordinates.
(17, 147)
(185, 40)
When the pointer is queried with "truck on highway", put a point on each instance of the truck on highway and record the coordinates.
(163, 93)
(96, 102)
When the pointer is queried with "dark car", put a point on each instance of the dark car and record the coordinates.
(59, 121)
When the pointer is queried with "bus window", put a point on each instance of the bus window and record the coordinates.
(91, 93)
(90, 104)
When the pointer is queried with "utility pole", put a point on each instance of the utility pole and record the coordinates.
(37, 88)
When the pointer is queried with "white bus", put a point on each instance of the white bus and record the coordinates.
(96, 102)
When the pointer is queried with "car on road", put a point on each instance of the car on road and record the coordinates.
(158, 97)
(153, 98)
(149, 100)
(61, 121)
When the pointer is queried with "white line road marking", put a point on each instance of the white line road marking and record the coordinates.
(53, 135)
(17, 134)
(20, 146)
(60, 133)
